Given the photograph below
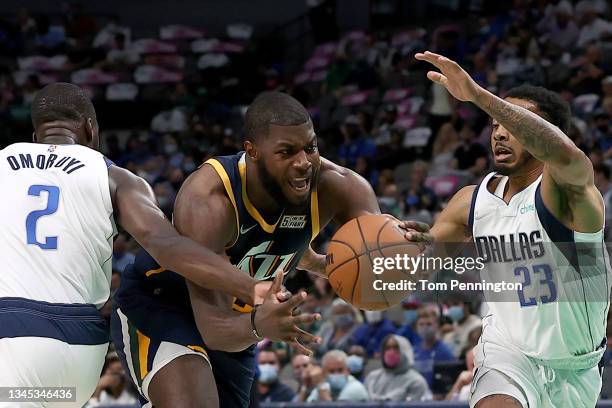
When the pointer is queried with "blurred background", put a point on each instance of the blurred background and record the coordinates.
(171, 82)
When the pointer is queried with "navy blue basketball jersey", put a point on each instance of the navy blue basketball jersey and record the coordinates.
(259, 249)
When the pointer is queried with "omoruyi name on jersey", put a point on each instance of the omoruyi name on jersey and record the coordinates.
(44, 162)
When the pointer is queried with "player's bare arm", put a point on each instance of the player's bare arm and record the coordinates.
(204, 213)
(568, 188)
(344, 195)
(137, 211)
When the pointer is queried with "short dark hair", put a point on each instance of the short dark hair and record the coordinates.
(272, 108)
(61, 101)
(551, 105)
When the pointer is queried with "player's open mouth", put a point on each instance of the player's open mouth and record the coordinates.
(502, 153)
(300, 185)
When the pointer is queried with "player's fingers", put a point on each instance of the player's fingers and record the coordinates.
(301, 348)
(308, 337)
(276, 284)
(414, 225)
(283, 295)
(416, 236)
(306, 318)
(437, 77)
(295, 300)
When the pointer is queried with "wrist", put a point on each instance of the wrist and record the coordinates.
(480, 95)
(256, 334)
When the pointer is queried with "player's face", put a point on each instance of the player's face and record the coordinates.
(509, 156)
(289, 162)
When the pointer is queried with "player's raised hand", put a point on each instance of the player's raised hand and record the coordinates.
(276, 320)
(451, 76)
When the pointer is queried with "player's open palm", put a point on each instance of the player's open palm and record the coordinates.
(451, 76)
(277, 321)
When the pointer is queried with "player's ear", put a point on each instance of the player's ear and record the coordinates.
(250, 149)
(91, 132)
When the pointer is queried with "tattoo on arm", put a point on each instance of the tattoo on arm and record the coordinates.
(541, 138)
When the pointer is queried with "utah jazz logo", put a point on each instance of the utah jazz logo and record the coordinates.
(260, 264)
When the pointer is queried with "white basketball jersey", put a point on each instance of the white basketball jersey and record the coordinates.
(57, 224)
(559, 314)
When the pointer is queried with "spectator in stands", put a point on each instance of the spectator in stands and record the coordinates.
(312, 376)
(356, 361)
(356, 143)
(461, 389)
(471, 156)
(338, 332)
(589, 73)
(121, 256)
(397, 380)
(339, 384)
(49, 38)
(559, 29)
(408, 330)
(431, 349)
(270, 388)
(420, 200)
(382, 133)
(444, 147)
(113, 387)
(592, 27)
(371, 333)
(463, 323)
(120, 58)
(300, 363)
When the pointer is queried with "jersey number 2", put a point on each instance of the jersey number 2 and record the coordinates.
(53, 193)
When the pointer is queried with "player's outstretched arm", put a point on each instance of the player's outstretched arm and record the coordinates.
(568, 173)
(545, 141)
(137, 212)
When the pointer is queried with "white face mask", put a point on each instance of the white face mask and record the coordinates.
(373, 316)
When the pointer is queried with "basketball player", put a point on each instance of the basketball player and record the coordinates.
(262, 208)
(541, 349)
(60, 200)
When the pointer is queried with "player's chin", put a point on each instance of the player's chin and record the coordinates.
(503, 168)
(296, 197)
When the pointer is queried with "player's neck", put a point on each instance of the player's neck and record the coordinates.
(521, 180)
(56, 134)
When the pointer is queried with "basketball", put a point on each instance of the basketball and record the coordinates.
(358, 249)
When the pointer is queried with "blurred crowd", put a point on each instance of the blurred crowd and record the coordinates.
(374, 111)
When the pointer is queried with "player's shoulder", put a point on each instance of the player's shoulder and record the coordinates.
(204, 188)
(333, 177)
(205, 181)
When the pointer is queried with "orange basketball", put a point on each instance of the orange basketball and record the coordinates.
(356, 254)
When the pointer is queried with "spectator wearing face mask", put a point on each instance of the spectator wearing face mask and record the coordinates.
(338, 332)
(338, 385)
(397, 380)
(431, 349)
(463, 323)
(300, 364)
(371, 334)
(270, 388)
(410, 317)
(356, 361)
